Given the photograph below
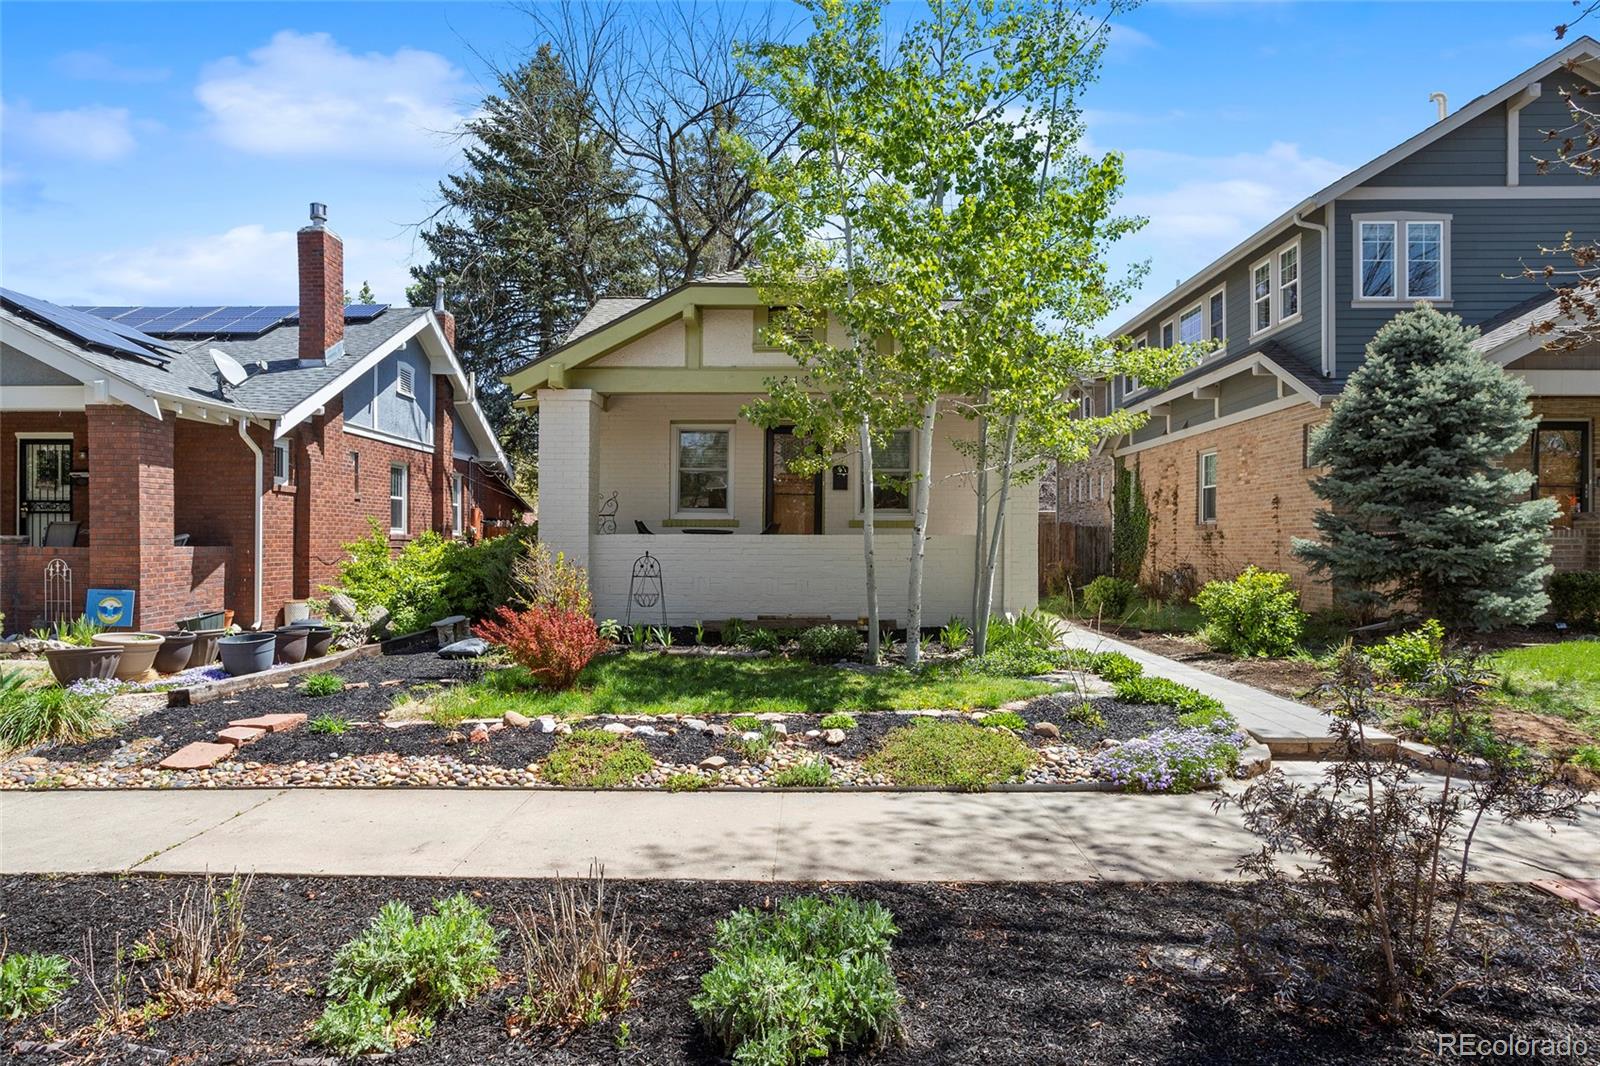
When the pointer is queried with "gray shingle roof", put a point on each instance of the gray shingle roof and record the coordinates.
(1516, 321)
(1304, 372)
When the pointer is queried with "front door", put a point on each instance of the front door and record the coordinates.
(794, 501)
(1561, 467)
(45, 486)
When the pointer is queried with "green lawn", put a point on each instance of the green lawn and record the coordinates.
(1556, 679)
(675, 684)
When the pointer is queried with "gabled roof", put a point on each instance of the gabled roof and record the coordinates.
(1584, 52)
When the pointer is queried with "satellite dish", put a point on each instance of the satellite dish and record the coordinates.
(228, 368)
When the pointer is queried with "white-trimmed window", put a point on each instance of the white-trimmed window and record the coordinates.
(399, 497)
(891, 460)
(1275, 289)
(1208, 487)
(1166, 333)
(405, 382)
(1402, 257)
(1192, 325)
(702, 470)
(1217, 316)
(282, 467)
(456, 502)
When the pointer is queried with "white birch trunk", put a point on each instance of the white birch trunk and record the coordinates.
(921, 492)
(992, 559)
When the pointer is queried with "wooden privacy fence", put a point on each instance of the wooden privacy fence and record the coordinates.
(1071, 553)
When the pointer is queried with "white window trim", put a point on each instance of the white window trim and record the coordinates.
(404, 498)
(1172, 324)
(1205, 304)
(280, 462)
(403, 386)
(458, 499)
(1201, 486)
(1203, 309)
(891, 512)
(672, 488)
(1273, 262)
(1399, 220)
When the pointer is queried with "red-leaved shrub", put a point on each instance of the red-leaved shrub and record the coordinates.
(552, 644)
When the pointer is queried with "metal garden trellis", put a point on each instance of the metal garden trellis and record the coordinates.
(645, 588)
(57, 592)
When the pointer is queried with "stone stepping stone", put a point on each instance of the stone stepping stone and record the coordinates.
(240, 735)
(196, 756)
(1585, 893)
(271, 723)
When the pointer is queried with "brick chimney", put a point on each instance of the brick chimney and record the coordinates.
(447, 321)
(321, 289)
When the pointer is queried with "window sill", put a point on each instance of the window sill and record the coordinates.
(723, 522)
(1275, 327)
(1371, 302)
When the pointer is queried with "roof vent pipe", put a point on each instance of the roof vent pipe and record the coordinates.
(319, 214)
(1443, 103)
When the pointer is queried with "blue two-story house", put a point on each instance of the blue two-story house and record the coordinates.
(1452, 216)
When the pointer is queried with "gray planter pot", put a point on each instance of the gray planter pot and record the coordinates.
(177, 648)
(79, 664)
(291, 643)
(247, 653)
(205, 647)
(318, 640)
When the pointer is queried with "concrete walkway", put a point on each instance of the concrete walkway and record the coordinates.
(1287, 727)
(804, 836)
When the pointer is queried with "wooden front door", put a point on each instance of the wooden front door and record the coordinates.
(794, 501)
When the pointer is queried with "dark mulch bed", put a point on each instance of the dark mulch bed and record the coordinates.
(1000, 974)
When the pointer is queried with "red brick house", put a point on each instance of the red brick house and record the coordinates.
(125, 446)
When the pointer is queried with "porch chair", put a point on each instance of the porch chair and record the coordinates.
(642, 528)
(61, 534)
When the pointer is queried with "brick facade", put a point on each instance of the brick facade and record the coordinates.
(1083, 491)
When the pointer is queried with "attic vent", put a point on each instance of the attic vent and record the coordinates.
(403, 386)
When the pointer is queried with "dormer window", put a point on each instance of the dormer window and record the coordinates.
(1402, 257)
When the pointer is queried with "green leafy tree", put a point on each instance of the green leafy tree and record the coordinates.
(536, 226)
(365, 296)
(1423, 510)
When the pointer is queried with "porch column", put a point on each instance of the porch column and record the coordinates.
(569, 449)
(130, 508)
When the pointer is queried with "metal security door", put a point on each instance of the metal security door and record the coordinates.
(45, 496)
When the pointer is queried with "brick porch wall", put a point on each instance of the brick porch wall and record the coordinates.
(22, 593)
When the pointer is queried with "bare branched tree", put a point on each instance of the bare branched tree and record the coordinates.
(664, 85)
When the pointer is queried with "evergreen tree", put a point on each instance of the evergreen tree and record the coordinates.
(535, 228)
(1423, 511)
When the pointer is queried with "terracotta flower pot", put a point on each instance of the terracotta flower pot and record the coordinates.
(247, 653)
(177, 648)
(205, 647)
(138, 652)
(79, 664)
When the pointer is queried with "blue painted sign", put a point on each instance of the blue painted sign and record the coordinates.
(110, 607)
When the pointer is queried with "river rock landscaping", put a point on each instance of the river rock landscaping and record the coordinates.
(1006, 974)
(376, 729)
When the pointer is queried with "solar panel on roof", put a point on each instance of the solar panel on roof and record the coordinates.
(136, 317)
(87, 328)
(363, 312)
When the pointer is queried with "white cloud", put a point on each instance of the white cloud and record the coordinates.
(92, 133)
(1200, 206)
(248, 264)
(1125, 40)
(96, 65)
(305, 95)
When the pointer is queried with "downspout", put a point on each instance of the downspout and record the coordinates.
(1325, 240)
(257, 561)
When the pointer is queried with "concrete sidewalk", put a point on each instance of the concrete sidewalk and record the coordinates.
(802, 836)
(1287, 727)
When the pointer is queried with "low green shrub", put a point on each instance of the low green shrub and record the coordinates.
(389, 983)
(812, 774)
(1257, 613)
(1032, 630)
(1586, 756)
(479, 576)
(30, 983)
(744, 723)
(31, 716)
(837, 720)
(810, 979)
(829, 644)
(1575, 597)
(683, 781)
(1003, 720)
(1014, 661)
(950, 754)
(755, 742)
(1159, 690)
(1114, 666)
(593, 758)
(1411, 655)
(954, 635)
(1109, 597)
(322, 685)
(332, 725)
(761, 640)
(79, 632)
(409, 584)
(1087, 714)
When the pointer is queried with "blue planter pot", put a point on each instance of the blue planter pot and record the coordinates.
(247, 653)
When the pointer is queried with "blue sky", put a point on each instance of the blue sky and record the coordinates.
(165, 153)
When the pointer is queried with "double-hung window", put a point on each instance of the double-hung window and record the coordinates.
(702, 469)
(1289, 282)
(1261, 297)
(1402, 258)
(1192, 325)
(1166, 334)
(1275, 289)
(891, 473)
(399, 497)
(1208, 487)
(455, 504)
(1217, 317)
(282, 467)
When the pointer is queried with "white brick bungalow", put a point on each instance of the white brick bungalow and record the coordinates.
(639, 429)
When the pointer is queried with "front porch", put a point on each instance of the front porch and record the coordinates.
(736, 535)
(122, 499)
